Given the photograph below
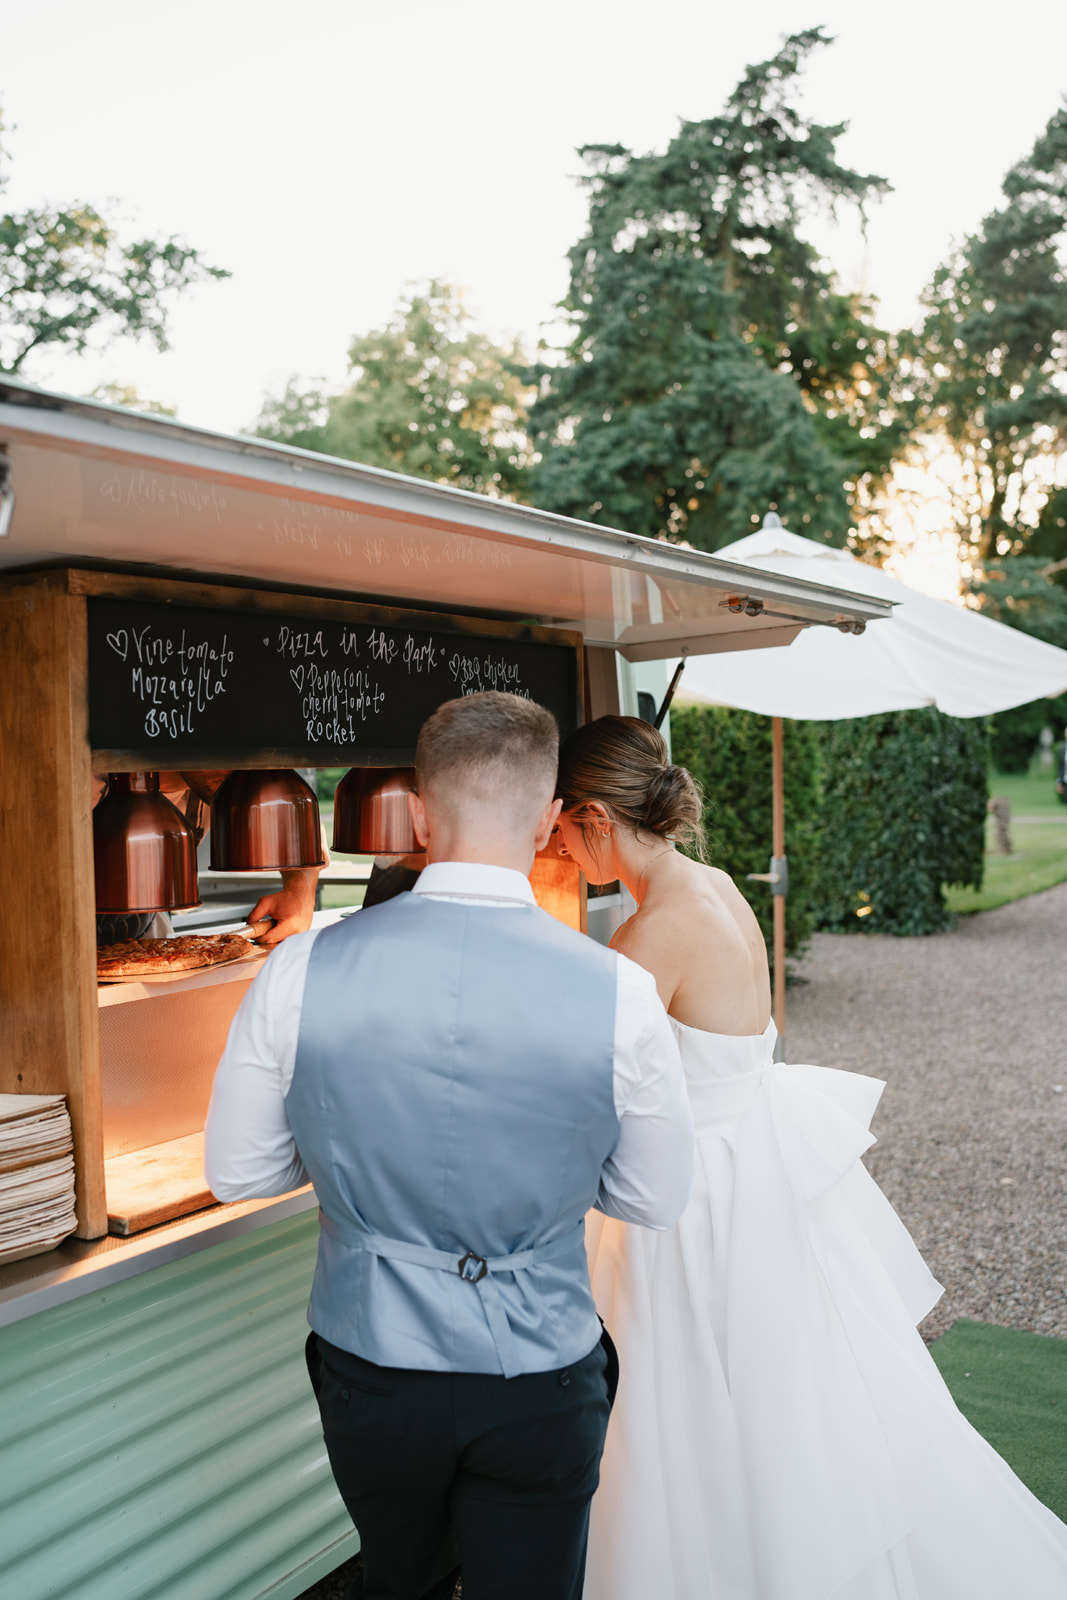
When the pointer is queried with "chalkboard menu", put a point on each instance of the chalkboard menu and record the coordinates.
(188, 682)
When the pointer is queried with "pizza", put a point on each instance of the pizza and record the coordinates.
(153, 958)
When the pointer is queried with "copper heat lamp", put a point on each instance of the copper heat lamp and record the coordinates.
(265, 820)
(144, 852)
(370, 812)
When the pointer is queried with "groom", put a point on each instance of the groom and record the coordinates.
(462, 1078)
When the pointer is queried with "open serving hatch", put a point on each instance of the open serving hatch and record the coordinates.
(95, 482)
(134, 549)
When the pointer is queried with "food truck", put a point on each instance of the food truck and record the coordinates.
(176, 600)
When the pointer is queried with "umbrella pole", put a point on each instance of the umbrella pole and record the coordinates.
(778, 899)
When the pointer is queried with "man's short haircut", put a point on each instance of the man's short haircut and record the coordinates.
(489, 741)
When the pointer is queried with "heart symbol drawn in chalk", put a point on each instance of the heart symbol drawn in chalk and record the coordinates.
(266, 641)
(297, 675)
(120, 642)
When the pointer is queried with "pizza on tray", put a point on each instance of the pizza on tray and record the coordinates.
(154, 958)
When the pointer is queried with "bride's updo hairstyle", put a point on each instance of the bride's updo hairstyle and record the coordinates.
(624, 763)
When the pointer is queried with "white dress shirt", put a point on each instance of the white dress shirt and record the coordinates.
(249, 1152)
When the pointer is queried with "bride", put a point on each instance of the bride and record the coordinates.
(781, 1432)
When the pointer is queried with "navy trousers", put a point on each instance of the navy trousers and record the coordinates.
(448, 1472)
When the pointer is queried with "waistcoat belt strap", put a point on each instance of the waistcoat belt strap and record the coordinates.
(476, 1270)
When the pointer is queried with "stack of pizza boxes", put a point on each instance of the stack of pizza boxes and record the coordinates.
(36, 1174)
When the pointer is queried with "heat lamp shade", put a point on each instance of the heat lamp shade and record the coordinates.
(144, 851)
(371, 815)
(265, 820)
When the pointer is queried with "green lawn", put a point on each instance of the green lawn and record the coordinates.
(1012, 1387)
(1032, 793)
(1039, 853)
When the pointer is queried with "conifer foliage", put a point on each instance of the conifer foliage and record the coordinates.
(714, 367)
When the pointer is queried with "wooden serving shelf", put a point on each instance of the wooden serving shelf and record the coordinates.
(156, 1185)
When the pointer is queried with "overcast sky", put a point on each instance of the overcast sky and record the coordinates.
(328, 152)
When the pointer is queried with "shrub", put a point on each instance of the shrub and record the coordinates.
(326, 781)
(880, 813)
(903, 814)
(729, 753)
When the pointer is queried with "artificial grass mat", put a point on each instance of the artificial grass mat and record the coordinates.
(1012, 1387)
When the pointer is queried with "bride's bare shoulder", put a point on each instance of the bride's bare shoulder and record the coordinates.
(695, 900)
(694, 889)
(698, 936)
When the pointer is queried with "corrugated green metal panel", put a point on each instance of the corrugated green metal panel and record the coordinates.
(159, 1438)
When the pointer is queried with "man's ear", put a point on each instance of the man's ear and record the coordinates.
(549, 817)
(419, 820)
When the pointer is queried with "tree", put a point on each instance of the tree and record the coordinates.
(714, 368)
(1029, 592)
(986, 374)
(1023, 591)
(430, 397)
(124, 394)
(65, 278)
(298, 416)
(989, 363)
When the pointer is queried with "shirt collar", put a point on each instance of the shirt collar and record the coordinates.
(474, 880)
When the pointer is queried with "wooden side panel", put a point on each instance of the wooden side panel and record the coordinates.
(559, 889)
(49, 1037)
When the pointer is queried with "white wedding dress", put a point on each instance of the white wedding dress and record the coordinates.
(781, 1431)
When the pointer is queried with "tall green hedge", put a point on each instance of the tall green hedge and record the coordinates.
(880, 813)
(903, 813)
(729, 754)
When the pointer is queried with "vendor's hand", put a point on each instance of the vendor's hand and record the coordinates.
(292, 908)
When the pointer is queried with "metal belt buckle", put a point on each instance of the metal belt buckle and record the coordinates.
(478, 1267)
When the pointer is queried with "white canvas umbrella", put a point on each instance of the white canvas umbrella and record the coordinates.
(928, 653)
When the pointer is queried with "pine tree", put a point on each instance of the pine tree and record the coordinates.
(714, 368)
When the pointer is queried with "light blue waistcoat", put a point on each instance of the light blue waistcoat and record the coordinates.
(453, 1103)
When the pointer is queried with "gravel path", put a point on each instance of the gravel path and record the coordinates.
(969, 1030)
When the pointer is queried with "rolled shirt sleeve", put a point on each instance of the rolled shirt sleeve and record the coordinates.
(649, 1175)
(249, 1151)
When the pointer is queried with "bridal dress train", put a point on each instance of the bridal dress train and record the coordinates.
(781, 1431)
